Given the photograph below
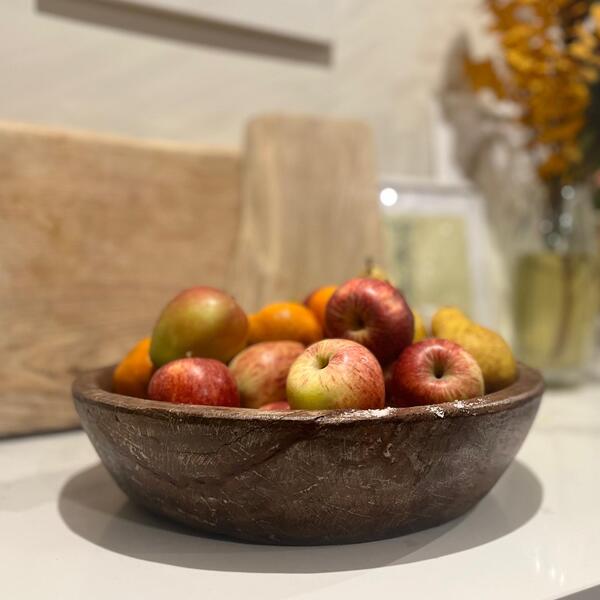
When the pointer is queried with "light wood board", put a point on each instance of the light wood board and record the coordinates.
(310, 212)
(96, 234)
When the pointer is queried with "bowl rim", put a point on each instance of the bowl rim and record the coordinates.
(90, 387)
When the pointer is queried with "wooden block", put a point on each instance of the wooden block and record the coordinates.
(310, 214)
(96, 234)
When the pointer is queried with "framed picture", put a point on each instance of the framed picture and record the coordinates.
(436, 242)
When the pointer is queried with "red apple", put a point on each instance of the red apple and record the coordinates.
(194, 381)
(435, 371)
(372, 313)
(261, 370)
(335, 374)
(200, 321)
(284, 405)
(390, 398)
(387, 379)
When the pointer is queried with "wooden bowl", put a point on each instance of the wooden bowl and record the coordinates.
(307, 477)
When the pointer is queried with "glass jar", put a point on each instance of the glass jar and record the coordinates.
(556, 287)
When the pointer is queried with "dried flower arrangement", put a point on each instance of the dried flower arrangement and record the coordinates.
(546, 68)
(550, 69)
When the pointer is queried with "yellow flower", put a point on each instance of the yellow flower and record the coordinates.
(550, 49)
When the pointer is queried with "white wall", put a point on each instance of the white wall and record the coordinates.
(387, 60)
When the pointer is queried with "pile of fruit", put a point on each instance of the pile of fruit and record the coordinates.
(358, 345)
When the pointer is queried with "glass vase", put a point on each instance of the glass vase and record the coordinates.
(556, 287)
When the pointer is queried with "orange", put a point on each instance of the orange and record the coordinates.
(284, 321)
(133, 373)
(317, 301)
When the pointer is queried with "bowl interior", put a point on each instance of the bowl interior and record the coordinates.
(95, 386)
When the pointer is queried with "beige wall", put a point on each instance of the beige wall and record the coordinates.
(387, 61)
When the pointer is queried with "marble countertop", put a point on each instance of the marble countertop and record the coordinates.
(68, 532)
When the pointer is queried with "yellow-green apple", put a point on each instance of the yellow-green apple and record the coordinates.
(200, 321)
(435, 371)
(335, 373)
(261, 370)
(194, 381)
(283, 405)
(372, 313)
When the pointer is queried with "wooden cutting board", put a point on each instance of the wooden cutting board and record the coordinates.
(96, 234)
(310, 212)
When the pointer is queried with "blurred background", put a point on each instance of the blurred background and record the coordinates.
(272, 147)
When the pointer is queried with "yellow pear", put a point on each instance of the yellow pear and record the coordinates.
(420, 331)
(489, 348)
(447, 319)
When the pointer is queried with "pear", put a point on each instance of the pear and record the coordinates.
(489, 348)
(420, 332)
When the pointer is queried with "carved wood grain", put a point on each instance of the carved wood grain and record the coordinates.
(96, 234)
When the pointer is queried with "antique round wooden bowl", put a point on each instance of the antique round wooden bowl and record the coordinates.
(307, 477)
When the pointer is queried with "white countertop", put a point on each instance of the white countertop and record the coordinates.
(67, 532)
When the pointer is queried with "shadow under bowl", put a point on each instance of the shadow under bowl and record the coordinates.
(307, 477)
